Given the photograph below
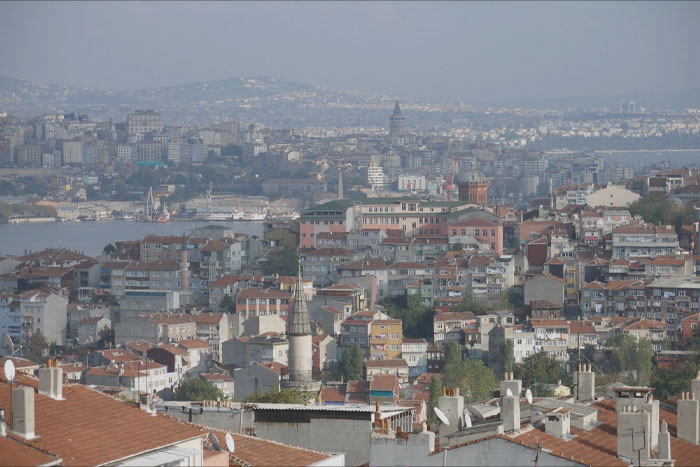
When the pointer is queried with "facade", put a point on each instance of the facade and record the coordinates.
(414, 352)
(386, 336)
(144, 121)
(630, 241)
(46, 313)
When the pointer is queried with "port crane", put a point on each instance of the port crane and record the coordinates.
(449, 186)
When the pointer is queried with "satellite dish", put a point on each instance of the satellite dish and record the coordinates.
(230, 445)
(467, 419)
(528, 396)
(509, 392)
(214, 442)
(441, 415)
(9, 370)
(7, 344)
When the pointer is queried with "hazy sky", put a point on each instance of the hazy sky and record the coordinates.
(444, 51)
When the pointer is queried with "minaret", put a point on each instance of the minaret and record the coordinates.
(300, 347)
(184, 266)
(340, 184)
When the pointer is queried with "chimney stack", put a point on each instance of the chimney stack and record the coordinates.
(510, 412)
(23, 412)
(558, 423)
(51, 381)
(664, 442)
(515, 385)
(452, 404)
(633, 436)
(688, 412)
(652, 408)
(585, 389)
(695, 386)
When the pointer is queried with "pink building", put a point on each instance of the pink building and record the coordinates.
(480, 229)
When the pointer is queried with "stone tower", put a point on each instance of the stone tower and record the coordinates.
(184, 266)
(473, 188)
(396, 121)
(300, 350)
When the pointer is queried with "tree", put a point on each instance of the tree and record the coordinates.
(228, 304)
(474, 380)
(435, 393)
(109, 250)
(274, 396)
(507, 355)
(540, 369)
(669, 382)
(105, 338)
(36, 347)
(283, 262)
(417, 318)
(453, 354)
(469, 304)
(632, 358)
(197, 389)
(349, 366)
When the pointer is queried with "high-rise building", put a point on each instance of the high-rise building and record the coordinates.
(72, 152)
(300, 346)
(144, 121)
(396, 122)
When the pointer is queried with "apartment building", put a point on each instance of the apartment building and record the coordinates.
(634, 241)
(386, 336)
(42, 312)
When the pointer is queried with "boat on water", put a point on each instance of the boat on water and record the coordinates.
(218, 216)
(163, 218)
(254, 216)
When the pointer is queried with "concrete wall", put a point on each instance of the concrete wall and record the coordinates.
(323, 435)
(493, 452)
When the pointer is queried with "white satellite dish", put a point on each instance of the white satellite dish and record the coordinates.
(214, 442)
(441, 415)
(509, 392)
(7, 344)
(467, 419)
(230, 445)
(528, 396)
(9, 370)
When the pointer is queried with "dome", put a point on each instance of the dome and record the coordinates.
(674, 201)
(473, 176)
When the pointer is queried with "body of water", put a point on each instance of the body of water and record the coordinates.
(637, 159)
(91, 237)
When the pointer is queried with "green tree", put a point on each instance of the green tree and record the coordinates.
(36, 347)
(475, 381)
(507, 355)
(453, 354)
(274, 396)
(109, 250)
(283, 262)
(349, 366)
(669, 382)
(435, 393)
(540, 369)
(197, 389)
(106, 337)
(468, 303)
(417, 319)
(632, 358)
(228, 304)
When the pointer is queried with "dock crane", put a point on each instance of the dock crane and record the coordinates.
(450, 185)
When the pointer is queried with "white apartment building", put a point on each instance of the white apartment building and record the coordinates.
(411, 183)
(44, 312)
(72, 152)
(376, 177)
(144, 121)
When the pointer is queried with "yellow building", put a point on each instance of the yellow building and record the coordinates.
(386, 336)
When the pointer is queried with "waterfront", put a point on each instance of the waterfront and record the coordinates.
(637, 159)
(91, 237)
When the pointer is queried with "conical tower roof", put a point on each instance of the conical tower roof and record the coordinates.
(299, 318)
(397, 110)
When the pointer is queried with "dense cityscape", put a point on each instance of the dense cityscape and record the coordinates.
(259, 272)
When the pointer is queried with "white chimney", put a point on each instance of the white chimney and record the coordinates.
(695, 386)
(558, 422)
(664, 442)
(23, 412)
(688, 413)
(51, 382)
(510, 413)
(585, 384)
(652, 408)
(633, 443)
(515, 385)
(452, 404)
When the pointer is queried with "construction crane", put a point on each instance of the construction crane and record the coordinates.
(450, 185)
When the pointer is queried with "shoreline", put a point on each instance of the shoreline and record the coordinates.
(612, 151)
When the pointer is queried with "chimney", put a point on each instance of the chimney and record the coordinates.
(652, 408)
(23, 412)
(558, 423)
(510, 413)
(515, 385)
(688, 412)
(452, 404)
(51, 381)
(585, 389)
(633, 434)
(664, 442)
(695, 386)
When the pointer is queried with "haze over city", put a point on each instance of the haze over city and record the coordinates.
(350, 234)
(443, 51)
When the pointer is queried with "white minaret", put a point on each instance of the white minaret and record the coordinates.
(300, 348)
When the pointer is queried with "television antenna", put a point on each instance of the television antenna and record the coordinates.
(467, 419)
(9, 376)
(528, 396)
(7, 344)
(214, 442)
(230, 445)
